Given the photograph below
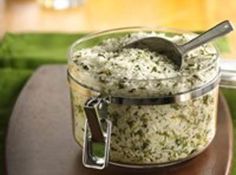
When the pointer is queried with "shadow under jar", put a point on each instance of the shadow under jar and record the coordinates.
(133, 107)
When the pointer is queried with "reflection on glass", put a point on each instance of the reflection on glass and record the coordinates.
(60, 4)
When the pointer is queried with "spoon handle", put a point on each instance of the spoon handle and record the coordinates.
(216, 31)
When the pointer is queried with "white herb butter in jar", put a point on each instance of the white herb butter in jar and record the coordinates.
(133, 107)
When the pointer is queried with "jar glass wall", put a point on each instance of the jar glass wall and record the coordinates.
(148, 135)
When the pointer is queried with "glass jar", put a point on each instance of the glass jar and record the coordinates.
(142, 121)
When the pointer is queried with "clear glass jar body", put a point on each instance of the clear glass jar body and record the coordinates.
(149, 135)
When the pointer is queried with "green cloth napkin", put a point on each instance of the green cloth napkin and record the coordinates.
(20, 54)
(32, 50)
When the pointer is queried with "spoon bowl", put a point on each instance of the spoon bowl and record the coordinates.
(176, 52)
(160, 45)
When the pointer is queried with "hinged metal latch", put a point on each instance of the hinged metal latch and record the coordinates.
(97, 134)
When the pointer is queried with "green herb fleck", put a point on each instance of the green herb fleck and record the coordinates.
(85, 67)
(131, 90)
(137, 67)
(130, 123)
(145, 144)
(154, 69)
(121, 85)
(205, 99)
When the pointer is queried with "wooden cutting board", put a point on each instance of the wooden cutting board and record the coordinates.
(40, 141)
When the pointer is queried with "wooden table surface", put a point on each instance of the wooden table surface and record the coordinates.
(40, 139)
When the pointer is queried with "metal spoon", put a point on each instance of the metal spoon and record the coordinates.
(175, 52)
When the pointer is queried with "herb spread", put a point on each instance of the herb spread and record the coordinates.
(150, 134)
